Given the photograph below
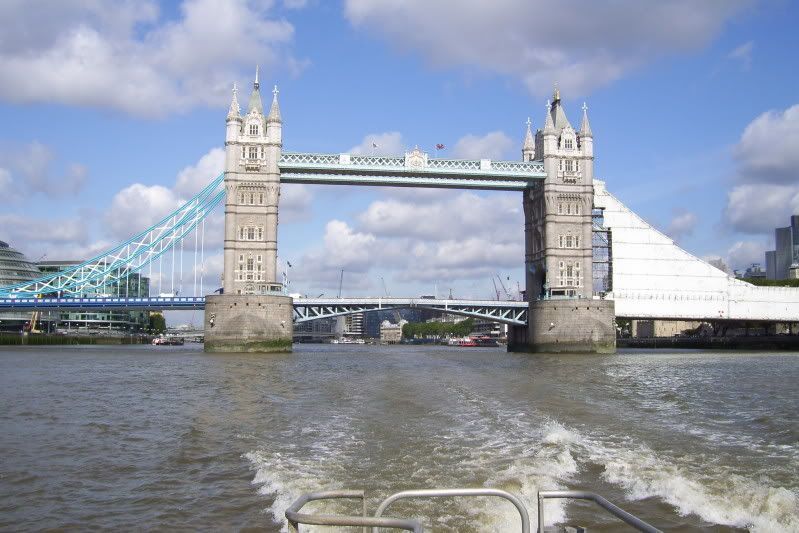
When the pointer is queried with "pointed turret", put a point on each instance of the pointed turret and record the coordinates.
(558, 115)
(255, 97)
(585, 127)
(528, 149)
(549, 126)
(235, 110)
(274, 110)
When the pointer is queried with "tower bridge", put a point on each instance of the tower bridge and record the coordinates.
(588, 258)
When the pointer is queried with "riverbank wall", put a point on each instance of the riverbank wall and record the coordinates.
(764, 342)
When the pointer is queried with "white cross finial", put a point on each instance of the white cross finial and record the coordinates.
(275, 91)
(528, 122)
(585, 107)
(235, 89)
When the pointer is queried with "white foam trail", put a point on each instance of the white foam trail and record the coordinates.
(717, 496)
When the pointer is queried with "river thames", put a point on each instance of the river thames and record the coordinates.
(169, 438)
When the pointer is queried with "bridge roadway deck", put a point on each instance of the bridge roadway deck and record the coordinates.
(305, 309)
(509, 312)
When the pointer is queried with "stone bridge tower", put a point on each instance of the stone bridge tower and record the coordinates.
(252, 185)
(251, 315)
(558, 255)
(558, 240)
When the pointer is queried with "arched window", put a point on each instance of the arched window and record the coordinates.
(568, 144)
(253, 153)
(250, 236)
(253, 129)
(568, 241)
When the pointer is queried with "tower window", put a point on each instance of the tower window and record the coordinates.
(560, 209)
(250, 236)
(253, 153)
(261, 198)
(568, 165)
(568, 144)
(253, 129)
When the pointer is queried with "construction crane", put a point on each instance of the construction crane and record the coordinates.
(397, 315)
(496, 291)
(507, 293)
(385, 289)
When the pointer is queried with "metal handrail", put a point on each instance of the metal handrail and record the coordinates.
(449, 493)
(295, 518)
(618, 512)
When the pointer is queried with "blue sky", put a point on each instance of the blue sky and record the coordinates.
(111, 113)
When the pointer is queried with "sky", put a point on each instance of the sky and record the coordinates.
(112, 114)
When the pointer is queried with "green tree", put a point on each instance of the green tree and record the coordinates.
(157, 323)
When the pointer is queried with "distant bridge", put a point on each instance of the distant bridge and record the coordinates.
(305, 309)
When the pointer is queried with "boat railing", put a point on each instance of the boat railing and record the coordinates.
(453, 493)
(615, 510)
(295, 517)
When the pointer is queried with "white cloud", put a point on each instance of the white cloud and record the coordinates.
(124, 56)
(30, 168)
(743, 55)
(454, 240)
(460, 215)
(759, 208)
(24, 229)
(493, 145)
(743, 253)
(138, 207)
(767, 151)
(6, 184)
(193, 178)
(388, 143)
(581, 45)
(682, 224)
(767, 160)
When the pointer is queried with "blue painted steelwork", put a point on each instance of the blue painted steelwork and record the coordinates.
(130, 256)
(413, 170)
(154, 303)
(305, 309)
(513, 312)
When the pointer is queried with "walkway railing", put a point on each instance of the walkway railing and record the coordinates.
(295, 517)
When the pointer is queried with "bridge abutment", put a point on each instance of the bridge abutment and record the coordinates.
(579, 325)
(255, 323)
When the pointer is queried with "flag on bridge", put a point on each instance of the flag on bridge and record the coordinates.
(439, 147)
